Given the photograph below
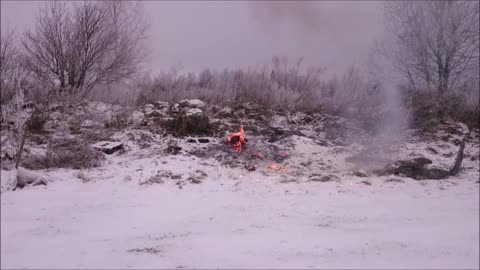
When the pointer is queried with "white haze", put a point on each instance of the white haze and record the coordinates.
(231, 34)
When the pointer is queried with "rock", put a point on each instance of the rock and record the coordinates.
(23, 177)
(56, 107)
(193, 112)
(157, 178)
(360, 173)
(394, 180)
(136, 118)
(149, 109)
(194, 181)
(173, 149)
(432, 150)
(251, 167)
(108, 147)
(87, 124)
(457, 142)
(278, 121)
(448, 155)
(198, 152)
(415, 168)
(197, 176)
(162, 104)
(196, 123)
(175, 108)
(82, 176)
(367, 183)
(202, 140)
(323, 178)
(200, 174)
(286, 181)
(176, 176)
(225, 112)
(191, 141)
(192, 103)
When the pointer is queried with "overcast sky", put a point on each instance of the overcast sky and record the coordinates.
(231, 34)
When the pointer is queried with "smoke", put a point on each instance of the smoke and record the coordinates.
(338, 32)
(351, 29)
(392, 129)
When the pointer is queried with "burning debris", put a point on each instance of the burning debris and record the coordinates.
(258, 154)
(237, 140)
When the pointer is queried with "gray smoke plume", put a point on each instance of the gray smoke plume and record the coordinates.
(340, 30)
(348, 28)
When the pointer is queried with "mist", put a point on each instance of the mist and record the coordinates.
(218, 35)
(240, 126)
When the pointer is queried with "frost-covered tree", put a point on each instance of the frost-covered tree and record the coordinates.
(83, 44)
(434, 44)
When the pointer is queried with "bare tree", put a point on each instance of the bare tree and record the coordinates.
(10, 71)
(435, 44)
(76, 46)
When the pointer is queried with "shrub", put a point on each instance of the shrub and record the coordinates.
(276, 86)
(183, 125)
(71, 153)
(37, 122)
(119, 120)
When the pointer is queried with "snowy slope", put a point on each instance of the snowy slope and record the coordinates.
(241, 219)
(250, 222)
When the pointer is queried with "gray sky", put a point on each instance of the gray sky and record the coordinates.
(239, 34)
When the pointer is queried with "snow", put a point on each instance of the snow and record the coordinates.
(103, 218)
(193, 112)
(236, 219)
(193, 103)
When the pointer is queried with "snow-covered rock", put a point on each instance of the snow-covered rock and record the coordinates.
(193, 112)
(162, 104)
(87, 123)
(278, 121)
(149, 111)
(225, 112)
(175, 108)
(360, 173)
(192, 103)
(136, 118)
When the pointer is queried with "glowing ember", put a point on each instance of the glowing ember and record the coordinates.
(275, 167)
(259, 155)
(237, 140)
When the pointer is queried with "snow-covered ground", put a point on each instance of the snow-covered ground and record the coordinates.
(238, 219)
(105, 217)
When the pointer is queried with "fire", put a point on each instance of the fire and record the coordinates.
(237, 140)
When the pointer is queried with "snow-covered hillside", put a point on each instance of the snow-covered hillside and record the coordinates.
(299, 195)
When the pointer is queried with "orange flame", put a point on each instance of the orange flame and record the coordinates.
(237, 139)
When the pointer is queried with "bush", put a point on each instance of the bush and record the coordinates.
(119, 120)
(71, 153)
(184, 126)
(428, 109)
(37, 122)
(276, 86)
